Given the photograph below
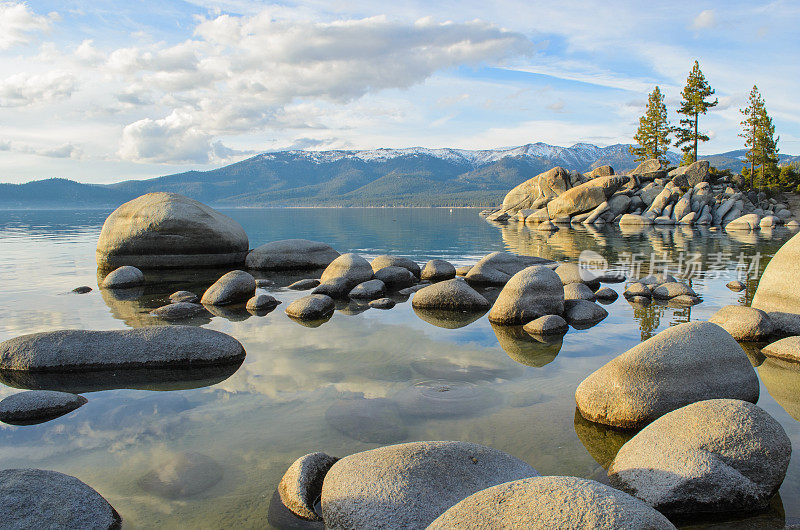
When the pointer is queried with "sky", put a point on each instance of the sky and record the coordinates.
(111, 90)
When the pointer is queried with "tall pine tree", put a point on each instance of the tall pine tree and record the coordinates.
(759, 137)
(693, 104)
(652, 136)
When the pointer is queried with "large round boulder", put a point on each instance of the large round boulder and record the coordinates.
(551, 502)
(586, 196)
(451, 295)
(160, 230)
(291, 254)
(123, 277)
(342, 274)
(385, 260)
(311, 307)
(395, 277)
(719, 455)
(37, 498)
(437, 270)
(776, 293)
(683, 364)
(744, 323)
(235, 287)
(535, 192)
(786, 349)
(531, 293)
(409, 485)
(498, 267)
(154, 346)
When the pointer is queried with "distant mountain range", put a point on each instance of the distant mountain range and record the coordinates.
(379, 177)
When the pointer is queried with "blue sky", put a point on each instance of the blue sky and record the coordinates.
(111, 90)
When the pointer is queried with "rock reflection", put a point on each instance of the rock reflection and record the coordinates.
(234, 313)
(525, 349)
(139, 379)
(281, 518)
(448, 319)
(782, 380)
(601, 441)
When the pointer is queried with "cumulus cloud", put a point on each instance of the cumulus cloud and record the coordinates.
(706, 19)
(240, 73)
(67, 150)
(24, 89)
(18, 23)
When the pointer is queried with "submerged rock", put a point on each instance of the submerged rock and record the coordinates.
(551, 502)
(437, 270)
(154, 346)
(38, 405)
(744, 323)
(82, 289)
(450, 295)
(382, 303)
(232, 288)
(445, 399)
(670, 370)
(160, 230)
(123, 277)
(375, 420)
(531, 293)
(291, 254)
(714, 456)
(304, 285)
(36, 498)
(409, 485)
(178, 311)
(301, 485)
(183, 475)
(183, 296)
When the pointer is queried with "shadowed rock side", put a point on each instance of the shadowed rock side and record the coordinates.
(551, 502)
(681, 365)
(410, 485)
(301, 485)
(777, 293)
(36, 498)
(714, 456)
(155, 346)
(291, 254)
(159, 230)
(601, 441)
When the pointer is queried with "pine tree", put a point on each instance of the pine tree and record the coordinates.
(652, 136)
(759, 134)
(693, 104)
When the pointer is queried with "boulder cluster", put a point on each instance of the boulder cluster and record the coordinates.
(650, 194)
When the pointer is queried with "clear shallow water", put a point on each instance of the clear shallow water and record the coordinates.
(363, 379)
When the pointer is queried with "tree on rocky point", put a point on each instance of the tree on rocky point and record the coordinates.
(693, 104)
(759, 137)
(652, 136)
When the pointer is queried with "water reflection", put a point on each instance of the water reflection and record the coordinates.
(782, 380)
(524, 348)
(601, 441)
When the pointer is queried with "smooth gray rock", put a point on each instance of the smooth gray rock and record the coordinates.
(637, 289)
(264, 282)
(234, 287)
(37, 498)
(748, 221)
(350, 267)
(395, 277)
(715, 456)
(648, 167)
(572, 273)
(777, 293)
(546, 325)
(122, 277)
(83, 289)
(161, 230)
(787, 349)
(182, 475)
(291, 254)
(178, 311)
(409, 485)
(368, 290)
(337, 288)
(498, 267)
(301, 485)
(690, 175)
(183, 296)
(606, 294)
(311, 307)
(304, 285)
(736, 285)
(382, 303)
(578, 291)
(551, 502)
(585, 197)
(154, 346)
(537, 191)
(452, 295)
(36, 405)
(531, 293)
(600, 171)
(744, 323)
(681, 365)
(580, 313)
(386, 260)
(437, 270)
(668, 290)
(261, 302)
(630, 219)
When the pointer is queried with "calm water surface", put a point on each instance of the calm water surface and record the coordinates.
(361, 380)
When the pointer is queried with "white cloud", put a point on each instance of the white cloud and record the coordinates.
(706, 19)
(67, 150)
(24, 89)
(18, 22)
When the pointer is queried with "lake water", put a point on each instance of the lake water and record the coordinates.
(361, 380)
